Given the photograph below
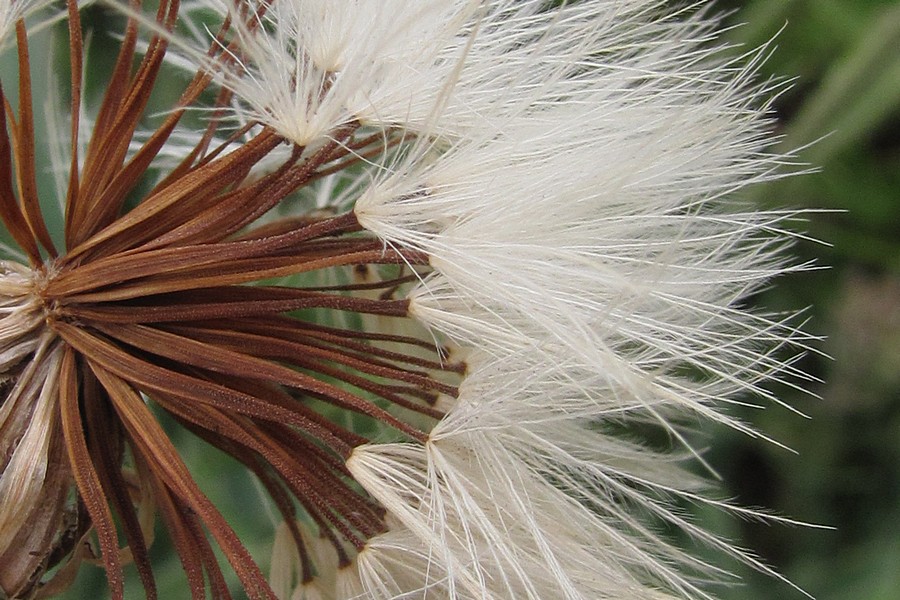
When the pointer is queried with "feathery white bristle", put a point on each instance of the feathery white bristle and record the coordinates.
(588, 246)
(489, 526)
(373, 59)
(580, 235)
(13, 10)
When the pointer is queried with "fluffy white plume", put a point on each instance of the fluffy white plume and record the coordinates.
(587, 242)
(449, 67)
(599, 230)
(310, 66)
(525, 491)
(13, 10)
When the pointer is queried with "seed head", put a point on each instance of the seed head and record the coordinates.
(418, 266)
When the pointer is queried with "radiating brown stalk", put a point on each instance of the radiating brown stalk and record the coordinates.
(160, 307)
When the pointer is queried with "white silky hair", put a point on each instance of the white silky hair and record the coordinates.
(587, 242)
(308, 67)
(13, 10)
(522, 492)
(616, 246)
(486, 526)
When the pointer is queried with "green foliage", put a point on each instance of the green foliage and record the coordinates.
(843, 111)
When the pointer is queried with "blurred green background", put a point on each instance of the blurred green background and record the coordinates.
(843, 57)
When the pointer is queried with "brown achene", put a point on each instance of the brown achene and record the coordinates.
(148, 306)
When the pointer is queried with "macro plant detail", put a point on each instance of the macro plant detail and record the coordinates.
(423, 268)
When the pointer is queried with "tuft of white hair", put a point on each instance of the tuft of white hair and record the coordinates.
(585, 239)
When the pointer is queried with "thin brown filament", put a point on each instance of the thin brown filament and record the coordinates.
(151, 441)
(10, 210)
(107, 455)
(76, 60)
(85, 473)
(218, 359)
(26, 176)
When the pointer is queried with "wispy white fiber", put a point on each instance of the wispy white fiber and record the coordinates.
(13, 10)
(309, 66)
(585, 238)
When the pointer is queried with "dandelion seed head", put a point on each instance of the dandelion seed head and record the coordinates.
(423, 268)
